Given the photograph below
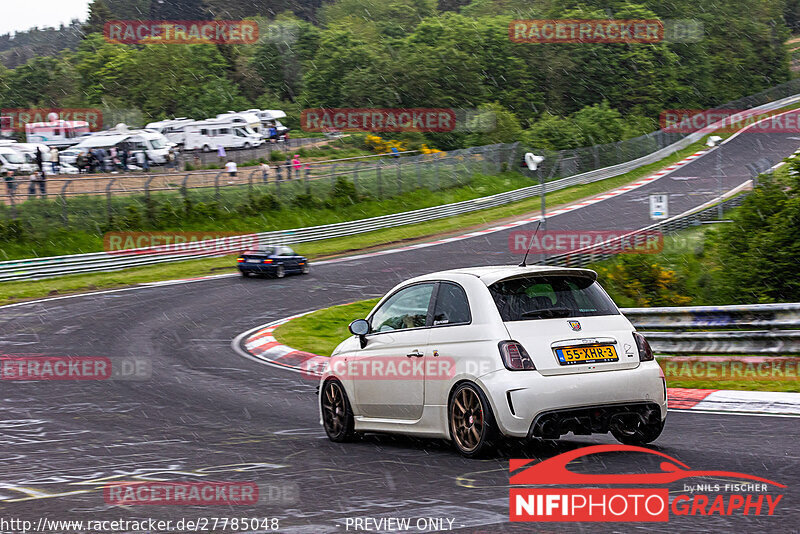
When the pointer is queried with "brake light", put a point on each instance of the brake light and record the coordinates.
(515, 357)
(266, 261)
(645, 351)
(240, 260)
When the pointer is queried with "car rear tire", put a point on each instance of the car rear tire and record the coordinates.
(337, 416)
(245, 274)
(280, 272)
(247, 146)
(472, 425)
(206, 148)
(641, 434)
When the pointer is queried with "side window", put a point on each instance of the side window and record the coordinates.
(452, 306)
(408, 308)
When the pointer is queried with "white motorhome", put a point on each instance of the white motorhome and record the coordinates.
(210, 134)
(172, 129)
(13, 160)
(269, 119)
(243, 118)
(153, 143)
(57, 133)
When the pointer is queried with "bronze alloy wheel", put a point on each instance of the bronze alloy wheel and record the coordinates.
(336, 414)
(471, 421)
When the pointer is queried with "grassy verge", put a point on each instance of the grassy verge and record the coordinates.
(15, 291)
(321, 331)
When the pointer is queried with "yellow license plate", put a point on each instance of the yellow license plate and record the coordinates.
(597, 353)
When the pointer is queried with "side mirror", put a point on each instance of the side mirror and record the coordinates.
(360, 328)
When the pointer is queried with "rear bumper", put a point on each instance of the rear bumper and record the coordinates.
(259, 268)
(522, 399)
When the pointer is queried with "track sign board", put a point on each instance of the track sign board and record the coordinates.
(659, 206)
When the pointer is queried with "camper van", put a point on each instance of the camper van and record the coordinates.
(243, 118)
(153, 143)
(58, 133)
(172, 129)
(210, 134)
(269, 119)
(13, 160)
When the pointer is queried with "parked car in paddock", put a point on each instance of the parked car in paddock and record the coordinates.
(471, 355)
(276, 261)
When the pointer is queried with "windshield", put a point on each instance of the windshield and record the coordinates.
(550, 297)
(13, 157)
(157, 143)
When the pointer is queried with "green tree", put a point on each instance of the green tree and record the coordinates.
(99, 14)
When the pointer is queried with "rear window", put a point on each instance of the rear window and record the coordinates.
(267, 251)
(550, 297)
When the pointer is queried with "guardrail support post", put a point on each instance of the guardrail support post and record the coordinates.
(380, 185)
(63, 196)
(305, 179)
(399, 179)
(216, 186)
(436, 172)
(148, 206)
(185, 190)
(108, 198)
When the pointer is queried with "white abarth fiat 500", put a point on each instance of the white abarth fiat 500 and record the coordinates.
(471, 355)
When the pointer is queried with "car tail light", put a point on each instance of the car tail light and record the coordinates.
(266, 261)
(645, 351)
(515, 357)
(240, 260)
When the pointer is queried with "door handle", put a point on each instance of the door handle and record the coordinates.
(415, 354)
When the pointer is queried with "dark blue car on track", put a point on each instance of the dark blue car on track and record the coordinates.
(277, 261)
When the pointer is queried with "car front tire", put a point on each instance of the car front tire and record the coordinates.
(306, 269)
(473, 430)
(337, 416)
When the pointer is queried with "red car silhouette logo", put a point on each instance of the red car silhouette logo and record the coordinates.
(554, 470)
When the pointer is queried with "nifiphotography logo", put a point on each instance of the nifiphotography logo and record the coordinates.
(744, 495)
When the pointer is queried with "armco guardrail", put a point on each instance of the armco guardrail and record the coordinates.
(37, 268)
(720, 329)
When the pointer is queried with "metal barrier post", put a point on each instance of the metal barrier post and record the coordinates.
(380, 186)
(418, 165)
(305, 179)
(108, 198)
(63, 195)
(355, 174)
(399, 179)
(436, 172)
(148, 206)
(216, 186)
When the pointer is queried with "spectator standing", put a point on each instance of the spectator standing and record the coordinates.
(39, 160)
(55, 161)
(265, 172)
(32, 180)
(230, 167)
(123, 158)
(221, 153)
(297, 165)
(42, 180)
(11, 183)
